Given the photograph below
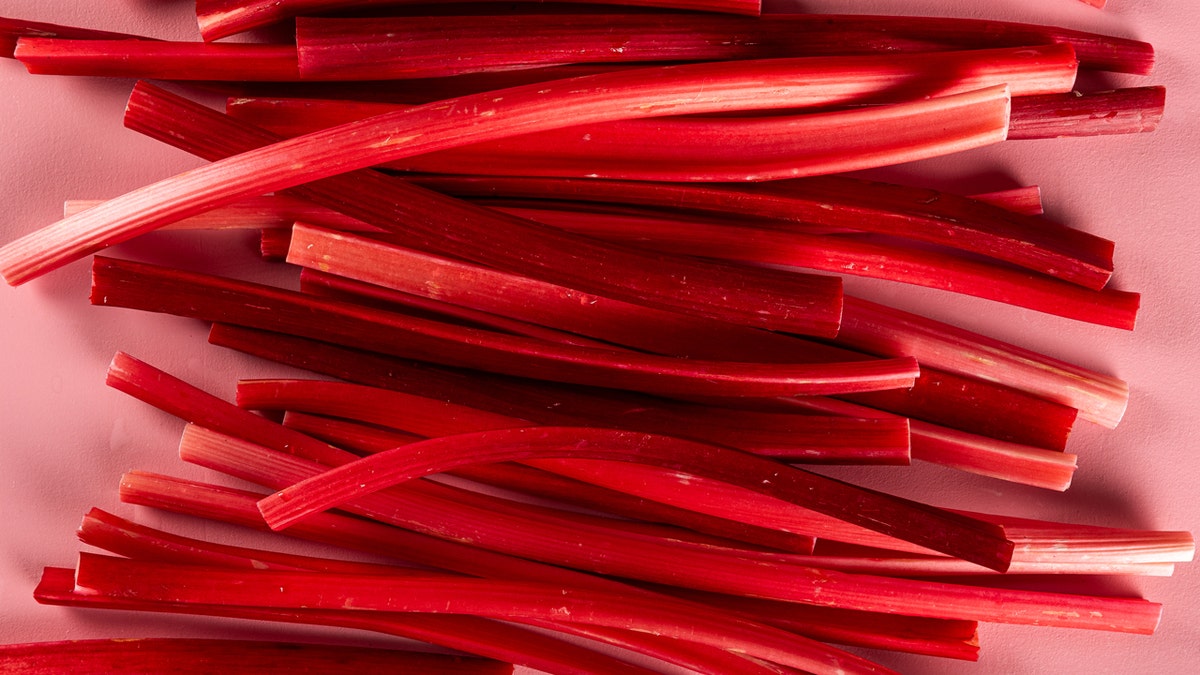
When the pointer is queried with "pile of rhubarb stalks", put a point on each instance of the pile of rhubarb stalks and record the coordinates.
(568, 282)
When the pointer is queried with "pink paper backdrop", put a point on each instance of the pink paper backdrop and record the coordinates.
(65, 438)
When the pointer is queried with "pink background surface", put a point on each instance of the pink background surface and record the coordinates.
(65, 438)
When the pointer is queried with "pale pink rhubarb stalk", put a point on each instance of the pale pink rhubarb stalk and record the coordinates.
(687, 89)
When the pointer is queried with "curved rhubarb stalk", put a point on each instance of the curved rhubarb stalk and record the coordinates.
(738, 149)
(644, 92)
(429, 221)
(962, 539)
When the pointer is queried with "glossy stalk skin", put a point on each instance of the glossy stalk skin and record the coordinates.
(187, 656)
(852, 256)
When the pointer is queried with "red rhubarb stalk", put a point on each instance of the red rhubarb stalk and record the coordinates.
(788, 437)
(131, 540)
(853, 257)
(12, 30)
(188, 656)
(525, 602)
(222, 18)
(158, 60)
(687, 89)
(833, 201)
(153, 288)
(877, 329)
(905, 520)
(1123, 111)
(426, 46)
(931, 442)
(429, 221)
(742, 149)
(931, 636)
(506, 643)
(938, 397)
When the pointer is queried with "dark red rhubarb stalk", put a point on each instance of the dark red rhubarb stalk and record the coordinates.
(747, 574)
(508, 644)
(139, 542)
(930, 441)
(158, 60)
(524, 602)
(428, 46)
(742, 149)
(903, 519)
(878, 329)
(12, 30)
(787, 437)
(687, 89)
(938, 397)
(853, 257)
(222, 18)
(153, 288)
(1123, 111)
(188, 656)
(845, 203)
(429, 221)
(932, 636)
